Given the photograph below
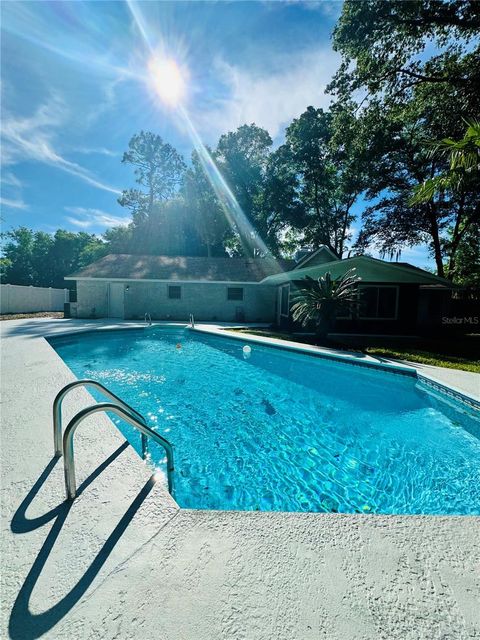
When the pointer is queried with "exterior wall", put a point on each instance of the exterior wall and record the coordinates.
(92, 299)
(18, 299)
(206, 301)
(448, 312)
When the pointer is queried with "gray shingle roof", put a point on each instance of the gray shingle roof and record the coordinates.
(180, 268)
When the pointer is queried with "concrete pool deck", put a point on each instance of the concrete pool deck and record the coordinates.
(123, 561)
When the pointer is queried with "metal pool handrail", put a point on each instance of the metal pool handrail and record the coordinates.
(192, 321)
(125, 414)
(57, 410)
(122, 409)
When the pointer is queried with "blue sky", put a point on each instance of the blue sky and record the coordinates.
(75, 88)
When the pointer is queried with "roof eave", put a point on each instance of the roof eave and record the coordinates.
(163, 280)
(424, 278)
(303, 261)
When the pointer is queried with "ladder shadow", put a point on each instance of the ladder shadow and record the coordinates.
(21, 524)
(24, 625)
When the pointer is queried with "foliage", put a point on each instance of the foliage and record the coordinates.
(119, 239)
(204, 209)
(41, 259)
(398, 161)
(383, 45)
(409, 99)
(401, 158)
(242, 158)
(322, 299)
(322, 174)
(463, 173)
(170, 230)
(283, 211)
(466, 269)
(158, 169)
(461, 179)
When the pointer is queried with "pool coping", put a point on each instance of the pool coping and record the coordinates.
(208, 568)
(349, 357)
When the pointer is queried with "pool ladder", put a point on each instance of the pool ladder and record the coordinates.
(148, 319)
(191, 320)
(121, 409)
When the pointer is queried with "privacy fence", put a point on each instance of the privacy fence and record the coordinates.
(17, 299)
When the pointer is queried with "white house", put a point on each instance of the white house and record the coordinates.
(398, 296)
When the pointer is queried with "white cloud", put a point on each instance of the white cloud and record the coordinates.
(101, 151)
(11, 180)
(86, 218)
(327, 7)
(17, 203)
(270, 100)
(32, 138)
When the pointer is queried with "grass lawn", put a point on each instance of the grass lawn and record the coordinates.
(461, 352)
(433, 355)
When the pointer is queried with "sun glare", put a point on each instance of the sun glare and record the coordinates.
(168, 80)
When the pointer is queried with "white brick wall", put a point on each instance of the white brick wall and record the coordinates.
(207, 301)
(92, 299)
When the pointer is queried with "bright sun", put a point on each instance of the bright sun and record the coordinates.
(167, 80)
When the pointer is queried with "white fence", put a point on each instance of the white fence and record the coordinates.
(17, 299)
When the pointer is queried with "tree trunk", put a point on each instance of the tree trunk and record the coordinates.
(461, 226)
(324, 326)
(344, 232)
(435, 240)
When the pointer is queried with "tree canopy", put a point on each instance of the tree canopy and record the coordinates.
(158, 169)
(416, 66)
(41, 259)
(383, 45)
(399, 137)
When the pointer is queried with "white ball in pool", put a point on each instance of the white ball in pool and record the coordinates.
(247, 351)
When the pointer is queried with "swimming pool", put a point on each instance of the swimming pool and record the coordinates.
(272, 429)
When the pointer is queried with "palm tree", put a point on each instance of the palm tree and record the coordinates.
(461, 178)
(464, 169)
(321, 301)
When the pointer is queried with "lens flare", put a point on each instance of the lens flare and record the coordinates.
(251, 241)
(167, 80)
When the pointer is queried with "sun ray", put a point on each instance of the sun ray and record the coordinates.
(166, 75)
(251, 241)
(169, 91)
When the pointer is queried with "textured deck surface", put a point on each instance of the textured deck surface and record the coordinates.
(124, 562)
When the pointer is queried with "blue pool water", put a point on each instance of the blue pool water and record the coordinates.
(285, 431)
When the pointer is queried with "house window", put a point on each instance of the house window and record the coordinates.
(285, 300)
(174, 292)
(378, 303)
(235, 293)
